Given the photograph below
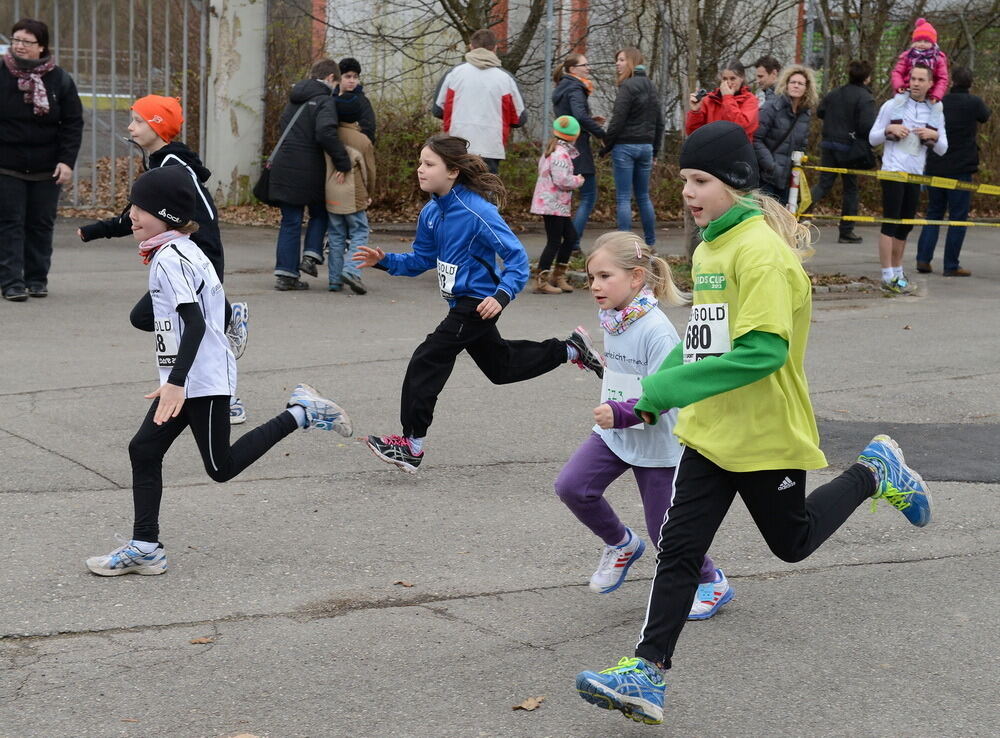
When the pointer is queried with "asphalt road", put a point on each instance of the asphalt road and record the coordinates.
(291, 571)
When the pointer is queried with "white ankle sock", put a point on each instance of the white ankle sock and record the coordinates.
(571, 353)
(416, 444)
(145, 546)
(897, 272)
(887, 274)
(626, 539)
(299, 413)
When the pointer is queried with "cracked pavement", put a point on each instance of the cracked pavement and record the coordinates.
(289, 572)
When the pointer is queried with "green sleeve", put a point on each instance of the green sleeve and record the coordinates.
(754, 356)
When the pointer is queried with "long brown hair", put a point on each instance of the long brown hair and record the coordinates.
(633, 59)
(569, 62)
(472, 170)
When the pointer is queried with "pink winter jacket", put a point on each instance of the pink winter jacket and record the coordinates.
(901, 74)
(556, 182)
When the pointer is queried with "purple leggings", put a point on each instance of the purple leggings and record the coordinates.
(588, 473)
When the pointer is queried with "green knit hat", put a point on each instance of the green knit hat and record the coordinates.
(566, 127)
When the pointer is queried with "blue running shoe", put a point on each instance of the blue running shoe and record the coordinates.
(128, 559)
(898, 484)
(320, 412)
(635, 687)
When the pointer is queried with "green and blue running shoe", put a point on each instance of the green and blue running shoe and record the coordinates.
(635, 687)
(898, 484)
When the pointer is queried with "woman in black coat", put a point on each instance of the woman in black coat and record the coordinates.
(298, 172)
(784, 128)
(41, 125)
(570, 97)
(634, 137)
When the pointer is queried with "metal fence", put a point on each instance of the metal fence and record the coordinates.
(117, 51)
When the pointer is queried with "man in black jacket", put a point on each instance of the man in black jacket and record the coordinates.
(848, 114)
(298, 171)
(963, 112)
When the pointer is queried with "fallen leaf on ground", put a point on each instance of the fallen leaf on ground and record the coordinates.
(129, 720)
(403, 583)
(199, 641)
(906, 328)
(532, 703)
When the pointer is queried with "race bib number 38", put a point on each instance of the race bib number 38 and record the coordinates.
(165, 334)
(707, 332)
(446, 278)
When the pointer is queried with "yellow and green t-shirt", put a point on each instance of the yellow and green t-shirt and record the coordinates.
(749, 275)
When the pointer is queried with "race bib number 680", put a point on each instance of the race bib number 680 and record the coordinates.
(707, 332)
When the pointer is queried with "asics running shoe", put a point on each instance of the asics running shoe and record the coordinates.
(237, 330)
(635, 687)
(898, 484)
(587, 356)
(396, 450)
(320, 412)
(128, 559)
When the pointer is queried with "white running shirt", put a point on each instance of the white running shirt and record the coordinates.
(181, 273)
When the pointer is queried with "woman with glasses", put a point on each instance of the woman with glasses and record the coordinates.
(571, 97)
(633, 139)
(41, 125)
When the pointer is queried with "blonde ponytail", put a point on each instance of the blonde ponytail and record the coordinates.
(628, 252)
(779, 219)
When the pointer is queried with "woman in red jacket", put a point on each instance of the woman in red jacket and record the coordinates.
(731, 100)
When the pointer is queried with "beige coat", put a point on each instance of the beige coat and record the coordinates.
(352, 196)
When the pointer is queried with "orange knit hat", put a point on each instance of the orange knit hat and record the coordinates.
(924, 31)
(162, 113)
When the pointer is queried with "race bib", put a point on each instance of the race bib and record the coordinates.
(446, 278)
(618, 387)
(165, 334)
(707, 332)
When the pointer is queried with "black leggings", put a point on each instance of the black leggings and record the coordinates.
(560, 237)
(141, 316)
(462, 329)
(899, 202)
(208, 418)
(793, 525)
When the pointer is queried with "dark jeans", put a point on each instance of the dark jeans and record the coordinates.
(899, 202)
(290, 247)
(956, 202)
(849, 202)
(632, 165)
(584, 206)
(27, 216)
(560, 236)
(462, 329)
(209, 421)
(793, 525)
(492, 164)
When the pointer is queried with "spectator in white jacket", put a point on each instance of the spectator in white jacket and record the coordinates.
(479, 101)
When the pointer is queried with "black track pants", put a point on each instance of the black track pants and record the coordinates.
(208, 418)
(793, 525)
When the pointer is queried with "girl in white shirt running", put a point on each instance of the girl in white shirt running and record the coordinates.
(196, 367)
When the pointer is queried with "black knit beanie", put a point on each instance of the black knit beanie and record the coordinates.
(168, 193)
(350, 64)
(723, 150)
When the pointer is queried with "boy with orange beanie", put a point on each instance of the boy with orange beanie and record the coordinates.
(155, 123)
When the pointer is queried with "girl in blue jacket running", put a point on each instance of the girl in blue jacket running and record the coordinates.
(460, 232)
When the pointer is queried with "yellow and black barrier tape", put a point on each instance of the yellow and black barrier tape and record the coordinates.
(900, 221)
(924, 179)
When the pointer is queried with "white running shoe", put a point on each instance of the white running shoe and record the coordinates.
(237, 411)
(320, 412)
(128, 559)
(236, 332)
(710, 597)
(615, 562)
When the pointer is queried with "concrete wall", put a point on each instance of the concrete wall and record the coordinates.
(237, 42)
